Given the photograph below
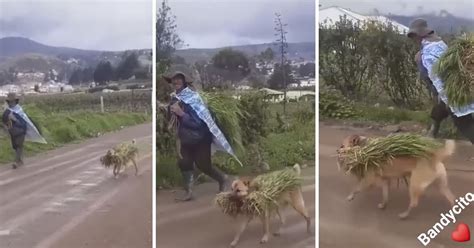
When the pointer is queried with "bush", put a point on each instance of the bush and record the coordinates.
(333, 105)
(254, 122)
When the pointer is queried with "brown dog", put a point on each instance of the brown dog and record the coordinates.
(423, 172)
(242, 187)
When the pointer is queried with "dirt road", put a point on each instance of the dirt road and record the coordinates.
(64, 198)
(200, 224)
(359, 224)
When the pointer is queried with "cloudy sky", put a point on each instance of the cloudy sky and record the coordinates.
(461, 8)
(218, 23)
(88, 24)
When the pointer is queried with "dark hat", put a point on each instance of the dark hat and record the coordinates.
(419, 27)
(12, 97)
(178, 74)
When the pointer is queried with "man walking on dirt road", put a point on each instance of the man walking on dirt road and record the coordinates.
(195, 134)
(432, 47)
(19, 127)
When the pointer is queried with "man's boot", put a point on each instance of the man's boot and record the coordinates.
(188, 178)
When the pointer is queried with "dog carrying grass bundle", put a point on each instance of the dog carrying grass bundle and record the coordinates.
(264, 194)
(119, 154)
(380, 151)
(456, 69)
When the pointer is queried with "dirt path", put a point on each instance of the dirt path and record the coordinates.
(200, 224)
(64, 198)
(359, 224)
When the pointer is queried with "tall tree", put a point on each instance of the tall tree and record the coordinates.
(103, 72)
(233, 64)
(281, 76)
(167, 41)
(280, 33)
(127, 66)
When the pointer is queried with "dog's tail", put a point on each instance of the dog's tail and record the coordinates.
(297, 169)
(446, 151)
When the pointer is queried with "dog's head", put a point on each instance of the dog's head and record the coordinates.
(352, 141)
(241, 187)
(348, 143)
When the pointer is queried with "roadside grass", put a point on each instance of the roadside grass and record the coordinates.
(67, 127)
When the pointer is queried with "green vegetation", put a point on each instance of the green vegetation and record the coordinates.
(64, 119)
(276, 146)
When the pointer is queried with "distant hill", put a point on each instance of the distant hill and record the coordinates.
(304, 50)
(443, 22)
(24, 54)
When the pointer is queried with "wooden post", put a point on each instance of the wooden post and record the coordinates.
(102, 104)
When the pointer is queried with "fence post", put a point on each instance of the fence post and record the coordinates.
(102, 104)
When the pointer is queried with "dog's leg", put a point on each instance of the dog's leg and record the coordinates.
(118, 170)
(297, 203)
(242, 226)
(266, 226)
(444, 188)
(385, 187)
(282, 222)
(115, 171)
(136, 167)
(364, 183)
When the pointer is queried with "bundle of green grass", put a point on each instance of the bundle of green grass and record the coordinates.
(379, 152)
(266, 190)
(456, 69)
(227, 114)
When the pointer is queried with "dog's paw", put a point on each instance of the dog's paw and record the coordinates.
(350, 197)
(233, 244)
(264, 239)
(382, 206)
(277, 233)
(403, 215)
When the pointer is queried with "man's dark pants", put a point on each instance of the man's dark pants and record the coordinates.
(464, 124)
(17, 140)
(200, 155)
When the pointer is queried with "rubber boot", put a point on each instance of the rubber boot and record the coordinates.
(188, 178)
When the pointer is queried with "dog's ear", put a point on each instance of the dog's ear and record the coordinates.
(355, 140)
(234, 184)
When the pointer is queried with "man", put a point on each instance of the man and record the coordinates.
(432, 47)
(196, 133)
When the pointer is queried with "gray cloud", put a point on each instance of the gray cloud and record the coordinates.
(217, 23)
(461, 8)
(86, 24)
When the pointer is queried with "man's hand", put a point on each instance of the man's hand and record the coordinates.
(176, 109)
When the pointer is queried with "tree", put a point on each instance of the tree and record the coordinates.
(127, 66)
(307, 70)
(280, 77)
(280, 33)
(267, 56)
(75, 77)
(233, 64)
(103, 72)
(167, 41)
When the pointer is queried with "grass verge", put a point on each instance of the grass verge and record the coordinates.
(62, 128)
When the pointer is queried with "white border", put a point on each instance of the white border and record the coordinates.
(316, 155)
(153, 11)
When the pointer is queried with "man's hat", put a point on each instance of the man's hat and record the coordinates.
(178, 74)
(12, 97)
(419, 27)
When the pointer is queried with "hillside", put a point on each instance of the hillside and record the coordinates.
(24, 55)
(295, 51)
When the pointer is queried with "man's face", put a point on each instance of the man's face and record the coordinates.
(11, 104)
(178, 83)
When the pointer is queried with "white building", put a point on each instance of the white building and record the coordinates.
(329, 16)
